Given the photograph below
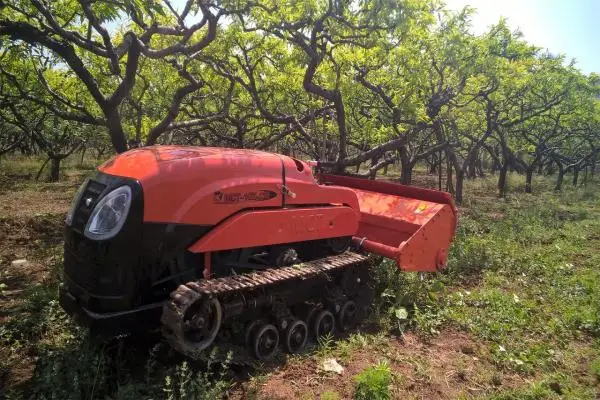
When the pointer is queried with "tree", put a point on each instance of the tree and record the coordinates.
(353, 84)
(74, 34)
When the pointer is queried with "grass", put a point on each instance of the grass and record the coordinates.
(522, 283)
(523, 277)
(538, 277)
(373, 383)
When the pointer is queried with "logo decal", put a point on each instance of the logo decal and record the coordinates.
(230, 198)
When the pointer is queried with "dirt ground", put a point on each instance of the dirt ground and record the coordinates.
(31, 218)
(450, 365)
(31, 224)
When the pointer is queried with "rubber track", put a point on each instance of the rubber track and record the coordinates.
(187, 294)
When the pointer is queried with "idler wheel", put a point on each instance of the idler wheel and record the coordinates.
(265, 342)
(251, 329)
(201, 323)
(296, 336)
(323, 324)
(339, 245)
(347, 315)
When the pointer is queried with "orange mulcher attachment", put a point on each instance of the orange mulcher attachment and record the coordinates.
(412, 226)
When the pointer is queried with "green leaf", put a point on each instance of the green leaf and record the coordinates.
(401, 313)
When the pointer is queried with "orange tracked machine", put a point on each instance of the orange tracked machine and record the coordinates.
(199, 241)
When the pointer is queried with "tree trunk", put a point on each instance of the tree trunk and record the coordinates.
(55, 169)
(433, 164)
(471, 169)
(340, 113)
(460, 177)
(240, 139)
(575, 176)
(528, 179)
(495, 166)
(83, 149)
(559, 177)
(479, 167)
(324, 152)
(100, 152)
(502, 180)
(42, 169)
(115, 129)
(440, 172)
(460, 174)
(449, 177)
(406, 172)
(374, 161)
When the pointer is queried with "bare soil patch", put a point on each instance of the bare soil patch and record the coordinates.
(35, 240)
(41, 199)
(451, 365)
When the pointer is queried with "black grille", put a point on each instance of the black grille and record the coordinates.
(81, 271)
(86, 204)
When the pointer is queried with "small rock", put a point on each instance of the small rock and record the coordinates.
(19, 263)
(331, 365)
(466, 349)
(496, 380)
(555, 386)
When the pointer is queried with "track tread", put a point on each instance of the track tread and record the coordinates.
(187, 294)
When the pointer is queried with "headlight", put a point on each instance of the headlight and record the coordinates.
(74, 202)
(109, 215)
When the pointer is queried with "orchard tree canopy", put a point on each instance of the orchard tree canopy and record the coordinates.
(360, 84)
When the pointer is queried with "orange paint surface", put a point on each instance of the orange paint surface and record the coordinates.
(254, 198)
(267, 227)
(412, 226)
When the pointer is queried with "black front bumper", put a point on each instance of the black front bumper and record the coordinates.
(111, 285)
(111, 324)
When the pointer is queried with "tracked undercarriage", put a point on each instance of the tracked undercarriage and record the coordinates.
(276, 307)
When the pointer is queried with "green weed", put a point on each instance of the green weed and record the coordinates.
(184, 383)
(330, 395)
(373, 383)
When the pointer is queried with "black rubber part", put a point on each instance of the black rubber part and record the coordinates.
(323, 324)
(339, 245)
(265, 342)
(213, 331)
(296, 336)
(251, 329)
(346, 318)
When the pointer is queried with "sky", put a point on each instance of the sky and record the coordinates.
(569, 27)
